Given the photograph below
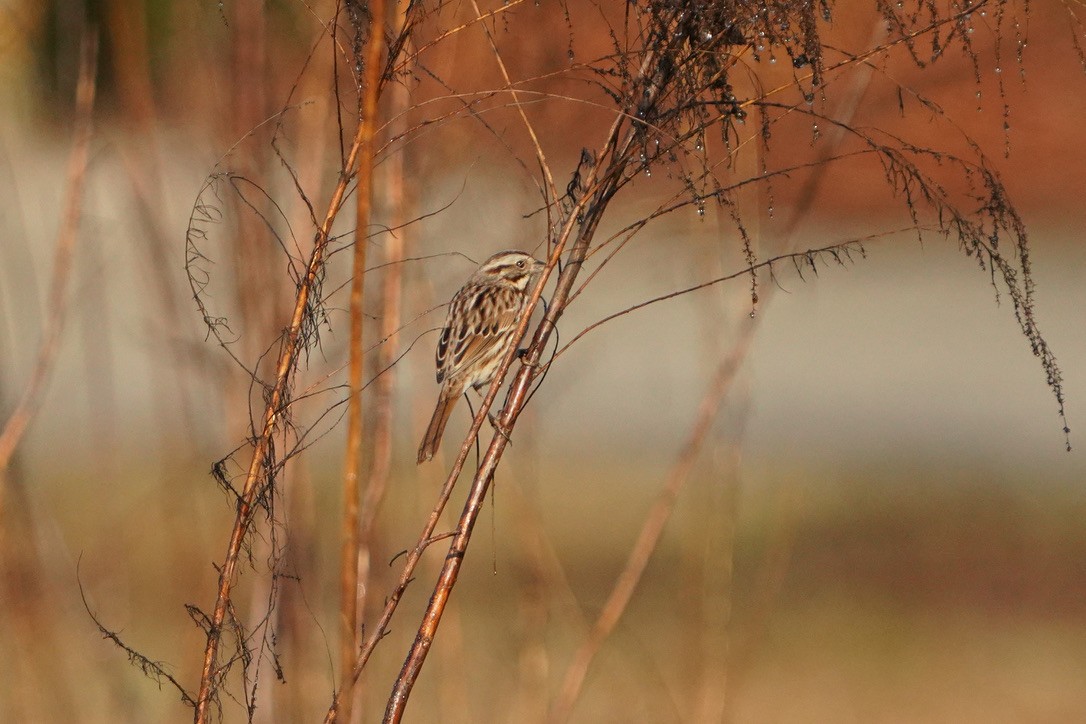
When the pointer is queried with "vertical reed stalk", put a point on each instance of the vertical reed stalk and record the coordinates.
(351, 534)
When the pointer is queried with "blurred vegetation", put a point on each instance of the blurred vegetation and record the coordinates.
(856, 596)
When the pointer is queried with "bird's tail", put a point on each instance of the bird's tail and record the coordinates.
(432, 438)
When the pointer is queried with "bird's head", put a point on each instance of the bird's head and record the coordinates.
(511, 267)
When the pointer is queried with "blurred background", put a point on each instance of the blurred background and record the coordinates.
(883, 525)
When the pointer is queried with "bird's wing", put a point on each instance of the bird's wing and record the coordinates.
(479, 319)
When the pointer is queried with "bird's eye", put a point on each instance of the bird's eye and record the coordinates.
(520, 264)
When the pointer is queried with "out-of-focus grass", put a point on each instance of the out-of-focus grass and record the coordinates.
(958, 596)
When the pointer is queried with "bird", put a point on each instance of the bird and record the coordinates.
(477, 334)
